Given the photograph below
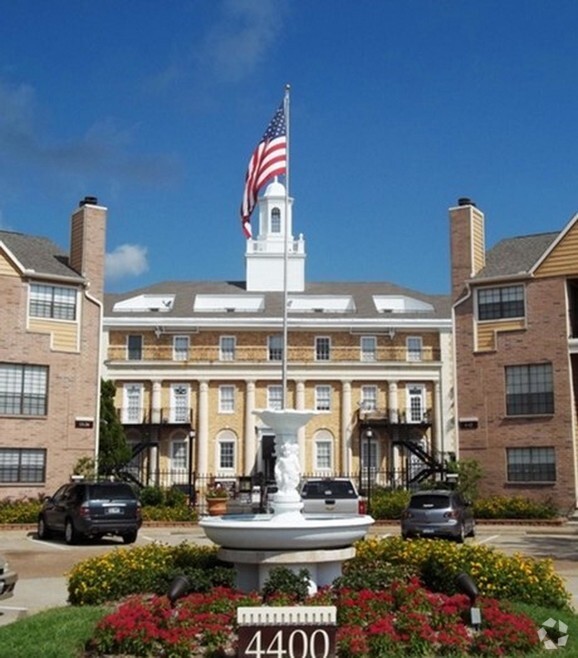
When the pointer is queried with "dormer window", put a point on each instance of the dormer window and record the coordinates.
(275, 220)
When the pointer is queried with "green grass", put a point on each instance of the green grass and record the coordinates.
(54, 633)
(540, 615)
(63, 632)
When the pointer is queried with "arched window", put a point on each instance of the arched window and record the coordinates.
(323, 451)
(226, 458)
(275, 220)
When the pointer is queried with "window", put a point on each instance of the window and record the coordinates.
(227, 345)
(132, 411)
(134, 347)
(179, 412)
(275, 345)
(180, 348)
(226, 451)
(499, 303)
(322, 348)
(23, 390)
(415, 404)
(178, 455)
(53, 302)
(24, 465)
(323, 457)
(323, 398)
(369, 454)
(368, 348)
(226, 399)
(274, 397)
(529, 390)
(531, 464)
(275, 220)
(368, 398)
(414, 348)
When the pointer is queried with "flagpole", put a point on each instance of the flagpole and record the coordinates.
(286, 254)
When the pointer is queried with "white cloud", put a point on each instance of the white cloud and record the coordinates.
(243, 36)
(126, 260)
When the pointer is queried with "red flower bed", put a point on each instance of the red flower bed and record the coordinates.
(405, 620)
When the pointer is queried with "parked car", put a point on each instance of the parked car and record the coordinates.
(331, 495)
(438, 513)
(84, 509)
(8, 579)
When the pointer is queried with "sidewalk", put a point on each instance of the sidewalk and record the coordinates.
(33, 595)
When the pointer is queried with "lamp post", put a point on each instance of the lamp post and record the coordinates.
(368, 437)
(190, 479)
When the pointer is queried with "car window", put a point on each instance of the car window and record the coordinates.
(111, 492)
(430, 501)
(330, 489)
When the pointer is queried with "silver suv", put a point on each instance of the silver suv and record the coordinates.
(331, 495)
(438, 513)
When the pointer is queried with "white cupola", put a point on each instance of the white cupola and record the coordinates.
(265, 255)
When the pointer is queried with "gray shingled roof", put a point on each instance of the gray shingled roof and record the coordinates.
(361, 292)
(516, 255)
(38, 254)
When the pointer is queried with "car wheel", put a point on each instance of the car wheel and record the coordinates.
(462, 536)
(473, 531)
(129, 537)
(71, 536)
(42, 532)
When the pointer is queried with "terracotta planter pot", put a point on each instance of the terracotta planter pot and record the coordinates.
(217, 506)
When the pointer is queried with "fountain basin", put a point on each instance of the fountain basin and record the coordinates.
(289, 531)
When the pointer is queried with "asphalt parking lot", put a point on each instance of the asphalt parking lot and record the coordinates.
(42, 565)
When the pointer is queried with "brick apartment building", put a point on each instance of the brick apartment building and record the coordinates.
(515, 311)
(49, 353)
(192, 360)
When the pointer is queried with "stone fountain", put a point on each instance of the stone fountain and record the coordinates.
(257, 543)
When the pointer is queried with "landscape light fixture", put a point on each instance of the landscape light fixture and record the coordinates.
(177, 589)
(466, 585)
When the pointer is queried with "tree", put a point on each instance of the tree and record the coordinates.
(113, 452)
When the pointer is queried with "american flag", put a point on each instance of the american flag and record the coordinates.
(268, 159)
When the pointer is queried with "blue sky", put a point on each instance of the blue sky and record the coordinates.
(398, 108)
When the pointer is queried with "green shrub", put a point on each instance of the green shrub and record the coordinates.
(286, 584)
(152, 496)
(19, 511)
(387, 504)
(437, 563)
(378, 575)
(170, 514)
(513, 507)
(145, 569)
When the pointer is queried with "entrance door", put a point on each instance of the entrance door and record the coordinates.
(268, 457)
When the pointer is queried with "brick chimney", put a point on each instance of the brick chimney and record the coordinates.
(87, 243)
(467, 248)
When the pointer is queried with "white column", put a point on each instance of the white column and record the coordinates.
(203, 437)
(346, 428)
(392, 402)
(156, 402)
(250, 439)
(393, 411)
(437, 427)
(300, 406)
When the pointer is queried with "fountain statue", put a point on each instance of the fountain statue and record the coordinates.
(257, 543)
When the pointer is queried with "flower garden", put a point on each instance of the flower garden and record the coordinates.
(395, 598)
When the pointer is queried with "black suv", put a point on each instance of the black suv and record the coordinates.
(83, 509)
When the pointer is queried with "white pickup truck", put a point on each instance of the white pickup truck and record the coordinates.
(331, 495)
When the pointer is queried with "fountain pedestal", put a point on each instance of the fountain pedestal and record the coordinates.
(253, 567)
(256, 543)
